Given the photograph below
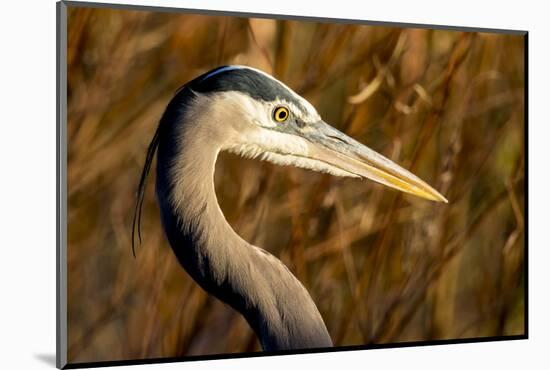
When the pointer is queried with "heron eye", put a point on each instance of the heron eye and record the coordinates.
(280, 114)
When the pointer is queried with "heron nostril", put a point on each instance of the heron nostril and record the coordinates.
(337, 139)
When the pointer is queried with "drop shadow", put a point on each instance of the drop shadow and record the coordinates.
(47, 358)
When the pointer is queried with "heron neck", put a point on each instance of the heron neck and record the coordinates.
(255, 283)
(192, 218)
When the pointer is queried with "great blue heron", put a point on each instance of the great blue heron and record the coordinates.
(246, 111)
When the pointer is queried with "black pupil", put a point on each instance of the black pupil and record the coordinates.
(282, 114)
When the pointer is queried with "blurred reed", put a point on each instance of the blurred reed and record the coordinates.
(382, 267)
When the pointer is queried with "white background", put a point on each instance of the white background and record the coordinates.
(27, 183)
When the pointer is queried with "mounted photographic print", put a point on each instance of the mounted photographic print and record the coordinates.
(234, 185)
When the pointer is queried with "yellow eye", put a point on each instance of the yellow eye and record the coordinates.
(280, 114)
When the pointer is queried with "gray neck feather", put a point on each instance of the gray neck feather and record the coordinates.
(249, 279)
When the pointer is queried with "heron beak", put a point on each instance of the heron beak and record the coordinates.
(328, 145)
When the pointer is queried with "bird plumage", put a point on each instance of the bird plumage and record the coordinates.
(231, 108)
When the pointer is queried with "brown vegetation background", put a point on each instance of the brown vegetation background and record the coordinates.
(381, 266)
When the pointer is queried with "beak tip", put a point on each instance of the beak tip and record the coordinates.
(441, 198)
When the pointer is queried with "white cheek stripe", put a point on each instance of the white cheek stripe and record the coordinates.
(311, 112)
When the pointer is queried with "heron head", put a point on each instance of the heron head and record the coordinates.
(257, 116)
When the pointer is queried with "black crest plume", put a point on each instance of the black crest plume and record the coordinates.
(141, 188)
